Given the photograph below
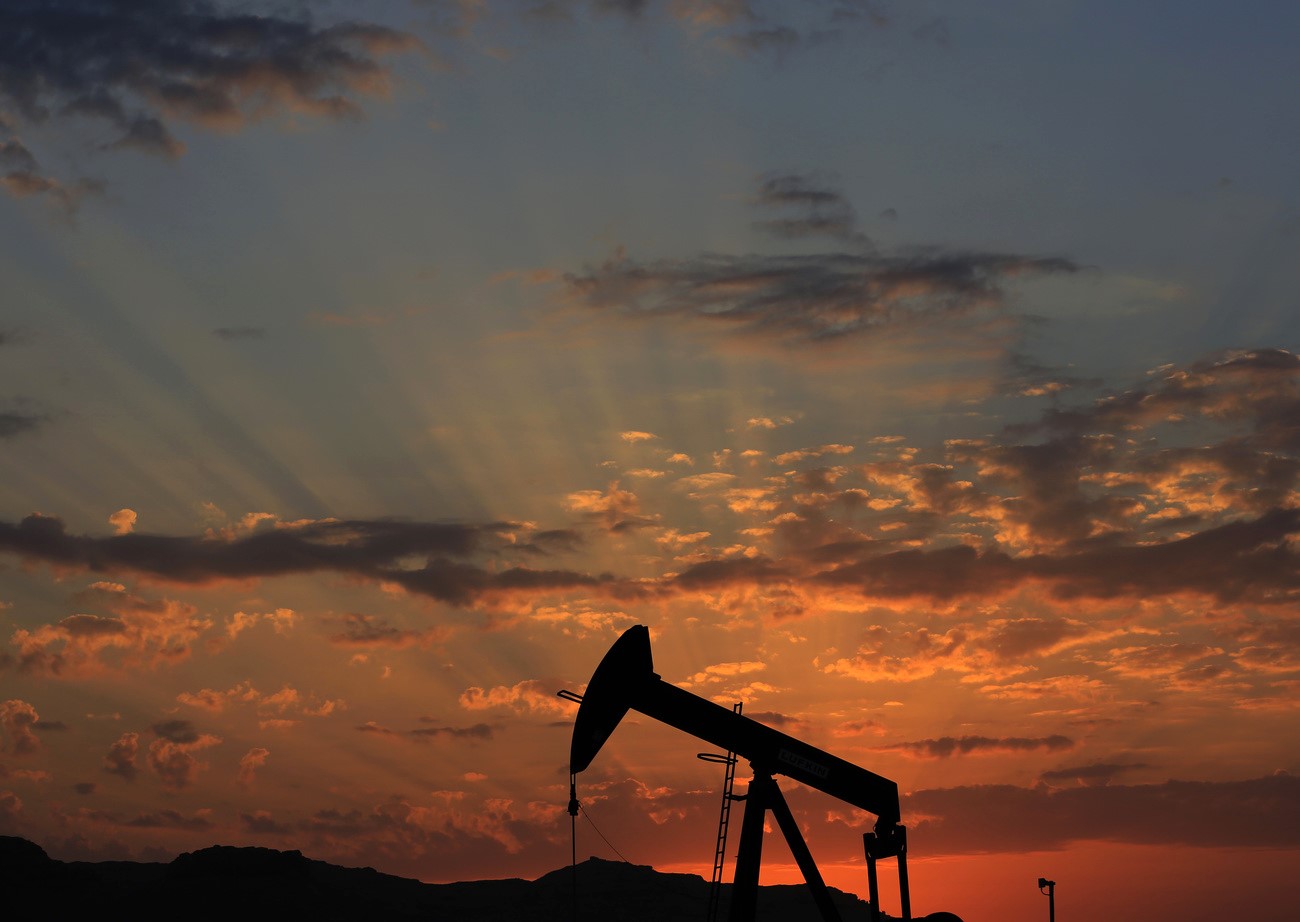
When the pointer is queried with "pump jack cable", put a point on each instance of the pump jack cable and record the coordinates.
(587, 817)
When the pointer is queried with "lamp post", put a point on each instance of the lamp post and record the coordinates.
(1051, 897)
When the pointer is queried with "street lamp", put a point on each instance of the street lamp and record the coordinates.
(1051, 897)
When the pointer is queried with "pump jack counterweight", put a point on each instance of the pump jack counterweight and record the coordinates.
(625, 680)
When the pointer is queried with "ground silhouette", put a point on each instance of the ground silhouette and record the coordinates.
(261, 883)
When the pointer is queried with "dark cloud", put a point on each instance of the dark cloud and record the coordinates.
(174, 762)
(808, 206)
(191, 60)
(777, 719)
(804, 300)
(1248, 560)
(1029, 378)
(850, 728)
(947, 746)
(141, 631)
(1239, 561)
(170, 819)
(149, 135)
(475, 732)
(556, 541)
(14, 423)
(369, 549)
(121, 756)
(368, 631)
(1081, 515)
(711, 574)
(263, 823)
(1091, 483)
(1021, 637)
(1258, 813)
(338, 824)
(615, 509)
(15, 157)
(371, 727)
(359, 547)
(66, 196)
(796, 189)
(22, 415)
(1097, 773)
(91, 625)
(1260, 387)
(141, 64)
(176, 731)
(463, 584)
(1046, 481)
(85, 787)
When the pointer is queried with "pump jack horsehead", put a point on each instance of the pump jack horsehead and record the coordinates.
(626, 680)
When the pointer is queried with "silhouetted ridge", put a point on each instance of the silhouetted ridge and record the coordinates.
(19, 856)
(230, 861)
(25, 865)
(249, 883)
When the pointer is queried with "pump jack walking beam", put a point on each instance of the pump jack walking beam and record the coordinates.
(625, 680)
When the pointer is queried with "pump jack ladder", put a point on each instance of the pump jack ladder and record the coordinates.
(724, 821)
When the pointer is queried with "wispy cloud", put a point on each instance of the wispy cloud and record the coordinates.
(800, 301)
(947, 746)
(14, 423)
(806, 205)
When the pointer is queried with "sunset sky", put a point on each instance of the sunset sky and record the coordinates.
(922, 373)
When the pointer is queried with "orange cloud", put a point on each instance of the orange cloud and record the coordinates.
(17, 719)
(250, 762)
(171, 755)
(123, 521)
(531, 695)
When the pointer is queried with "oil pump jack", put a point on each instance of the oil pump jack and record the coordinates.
(626, 680)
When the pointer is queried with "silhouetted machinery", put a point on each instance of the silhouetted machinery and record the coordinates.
(625, 679)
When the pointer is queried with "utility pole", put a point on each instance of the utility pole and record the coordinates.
(1051, 897)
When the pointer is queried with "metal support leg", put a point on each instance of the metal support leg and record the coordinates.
(873, 887)
(903, 890)
(744, 891)
(799, 848)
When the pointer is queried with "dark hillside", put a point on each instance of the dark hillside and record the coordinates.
(262, 883)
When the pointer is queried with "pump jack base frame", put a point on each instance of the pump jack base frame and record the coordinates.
(876, 849)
